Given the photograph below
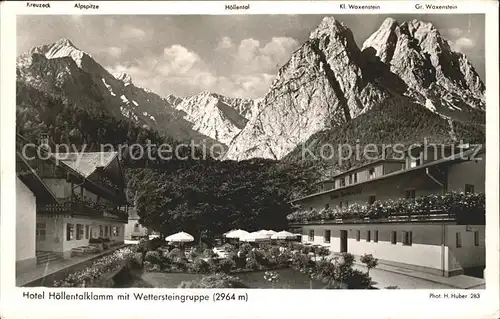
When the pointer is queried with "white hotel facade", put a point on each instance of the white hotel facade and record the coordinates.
(437, 244)
(65, 201)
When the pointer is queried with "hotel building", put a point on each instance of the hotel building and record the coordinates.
(434, 242)
(63, 201)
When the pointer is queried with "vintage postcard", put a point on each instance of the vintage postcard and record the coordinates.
(259, 159)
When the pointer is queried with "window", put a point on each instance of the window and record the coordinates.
(371, 200)
(311, 235)
(115, 231)
(342, 182)
(355, 177)
(476, 238)
(394, 238)
(371, 173)
(101, 231)
(458, 239)
(70, 232)
(409, 193)
(327, 236)
(136, 227)
(368, 236)
(375, 236)
(407, 238)
(87, 231)
(340, 204)
(79, 231)
(350, 179)
(469, 188)
(40, 231)
(358, 235)
(105, 231)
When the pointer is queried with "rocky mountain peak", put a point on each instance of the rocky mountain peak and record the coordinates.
(64, 42)
(328, 25)
(61, 49)
(124, 77)
(417, 53)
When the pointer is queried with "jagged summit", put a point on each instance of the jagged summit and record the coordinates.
(124, 77)
(64, 42)
(425, 61)
(328, 25)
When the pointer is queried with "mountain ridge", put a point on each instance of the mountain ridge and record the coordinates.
(327, 82)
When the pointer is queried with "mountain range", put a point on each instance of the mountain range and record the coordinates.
(326, 85)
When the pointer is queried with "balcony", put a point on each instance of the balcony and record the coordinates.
(463, 208)
(83, 207)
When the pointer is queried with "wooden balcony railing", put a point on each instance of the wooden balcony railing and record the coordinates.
(84, 207)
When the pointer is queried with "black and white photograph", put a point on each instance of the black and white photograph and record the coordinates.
(300, 151)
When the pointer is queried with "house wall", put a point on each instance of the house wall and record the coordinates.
(390, 188)
(432, 249)
(471, 172)
(54, 235)
(56, 229)
(468, 255)
(25, 226)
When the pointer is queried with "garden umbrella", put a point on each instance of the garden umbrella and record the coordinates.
(283, 235)
(267, 233)
(255, 236)
(236, 233)
(180, 237)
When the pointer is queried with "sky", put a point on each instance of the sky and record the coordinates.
(235, 55)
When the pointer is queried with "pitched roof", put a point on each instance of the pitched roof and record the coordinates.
(86, 163)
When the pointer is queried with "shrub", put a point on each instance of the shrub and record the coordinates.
(369, 261)
(214, 281)
(200, 266)
(229, 248)
(213, 265)
(136, 262)
(226, 265)
(97, 269)
(245, 249)
(181, 263)
(255, 259)
(392, 287)
(174, 254)
(153, 257)
(151, 267)
(238, 261)
(358, 280)
(209, 253)
(322, 251)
